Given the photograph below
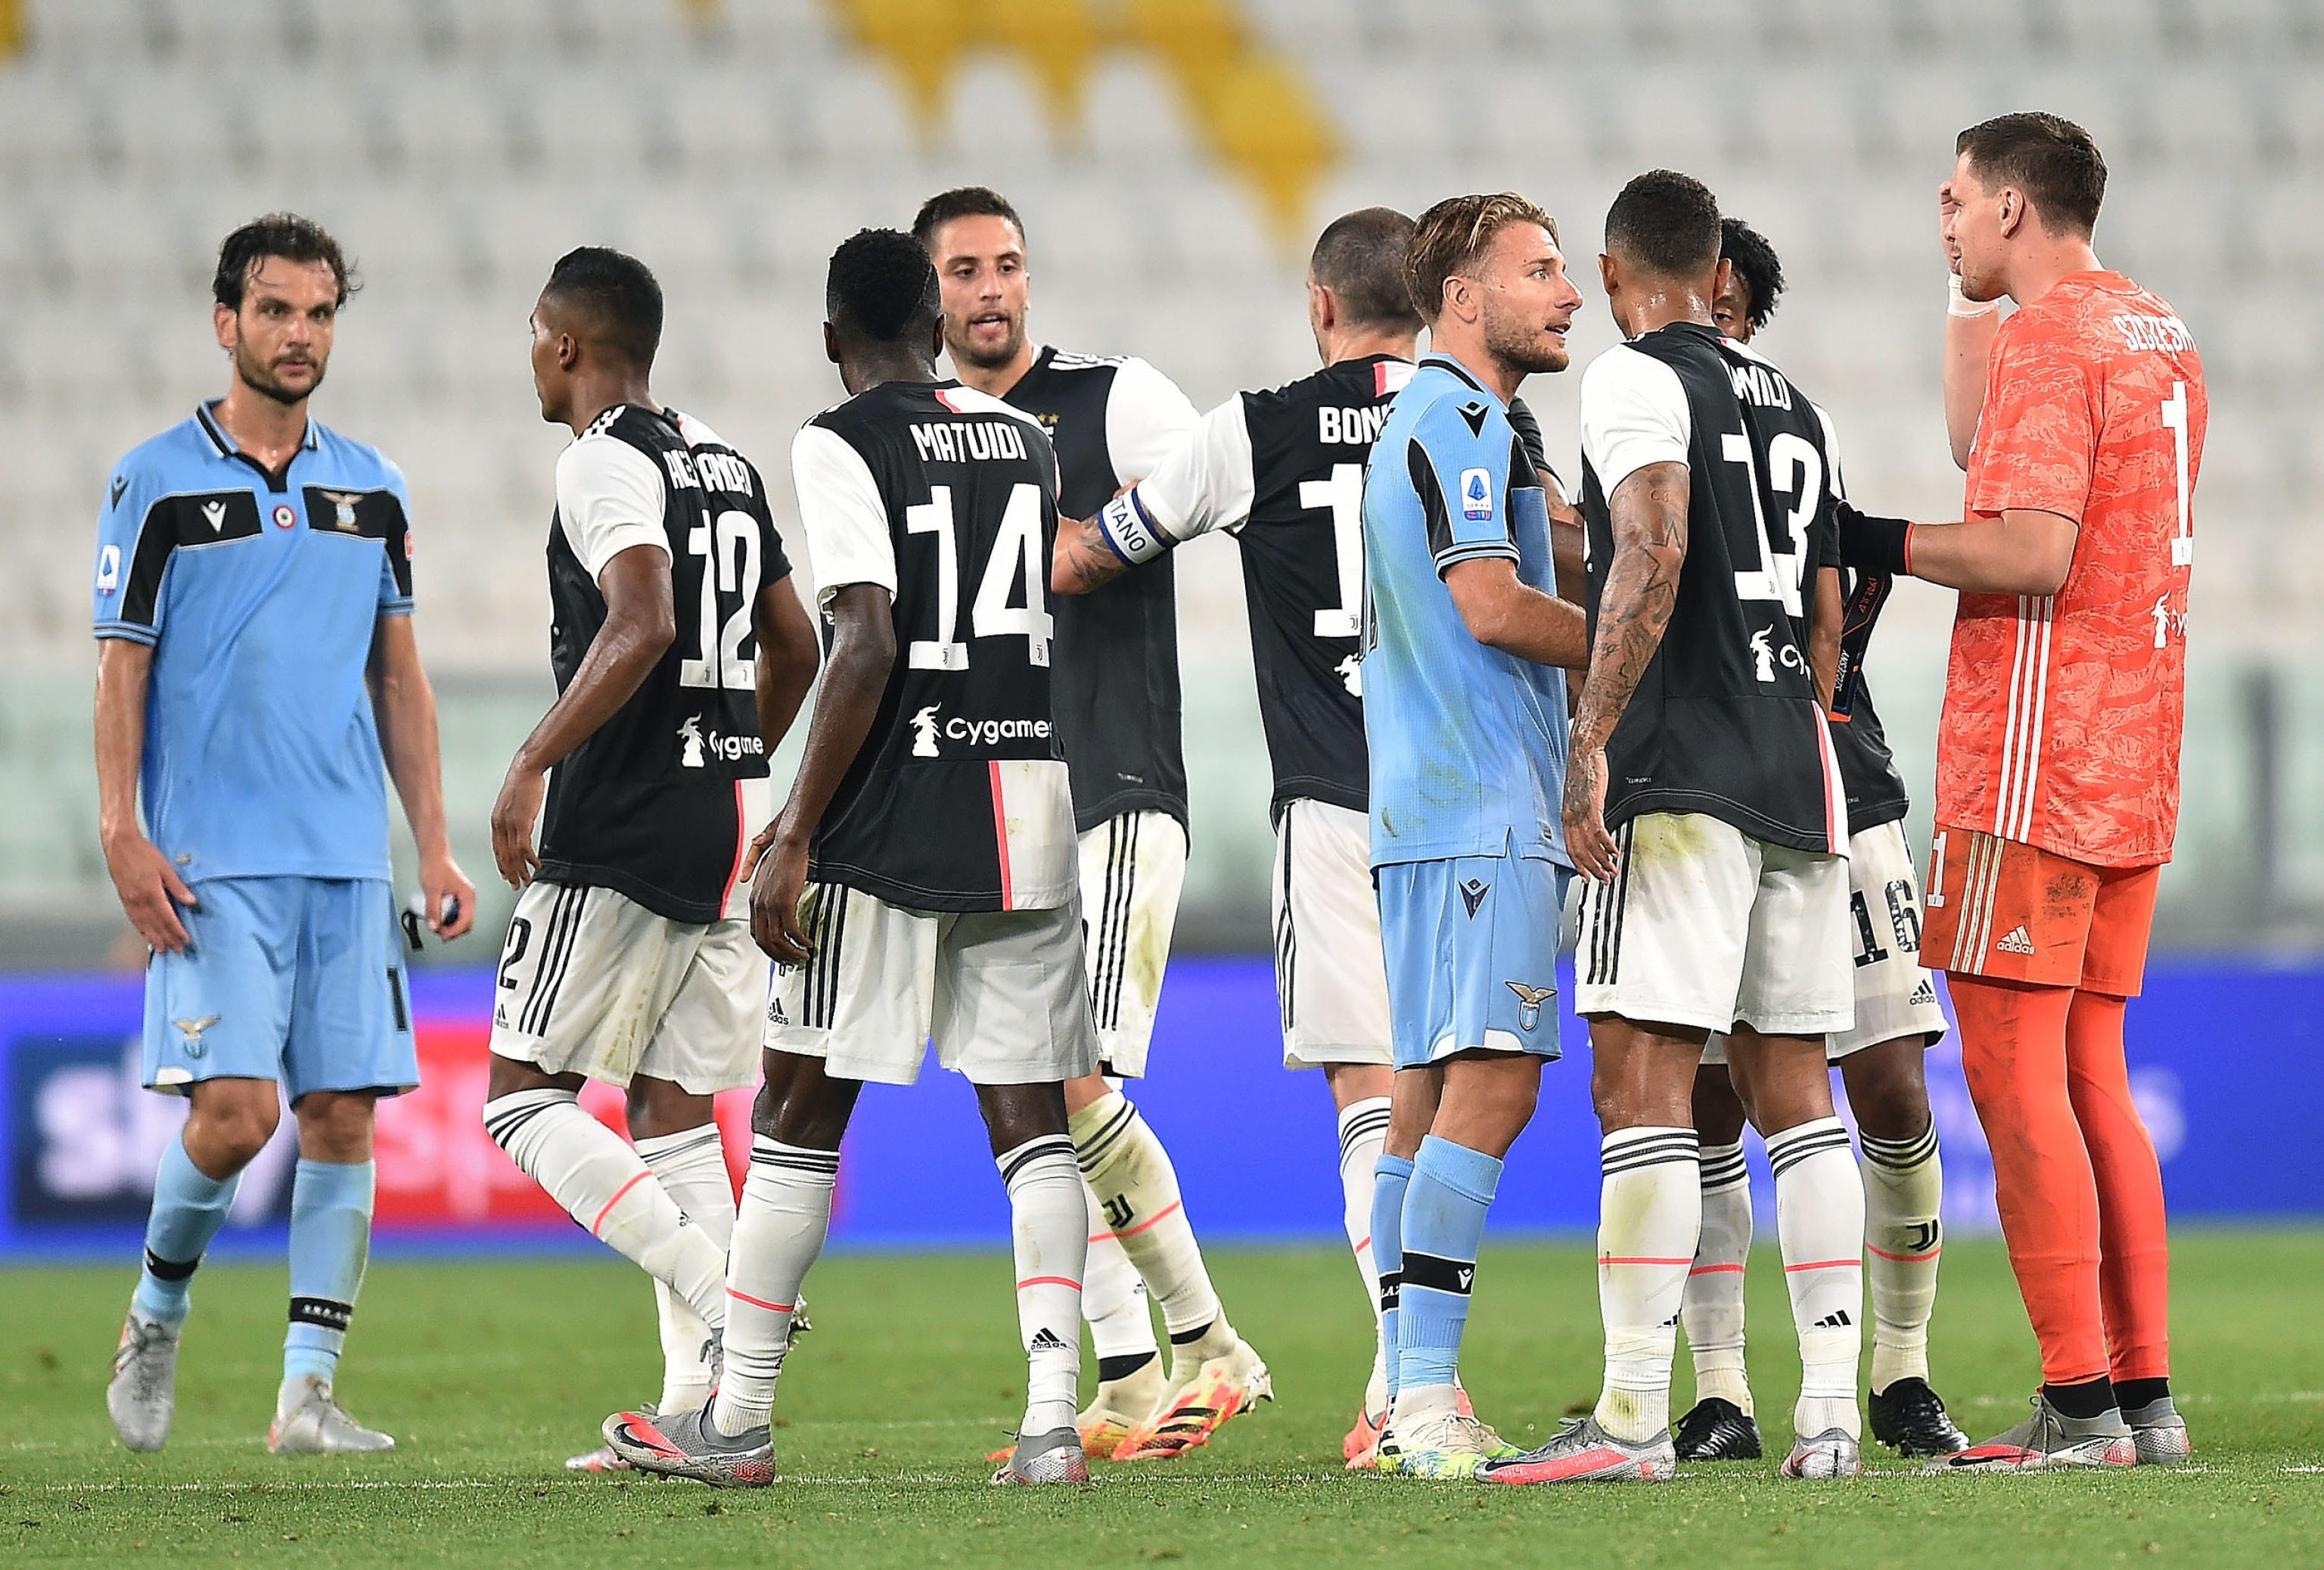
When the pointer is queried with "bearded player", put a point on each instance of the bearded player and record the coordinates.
(2058, 766)
(1116, 688)
(1465, 647)
(1880, 1060)
(257, 681)
(1704, 806)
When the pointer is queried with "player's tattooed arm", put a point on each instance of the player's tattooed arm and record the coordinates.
(641, 625)
(1082, 561)
(854, 680)
(1648, 514)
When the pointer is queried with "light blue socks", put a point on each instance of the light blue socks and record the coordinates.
(1388, 1180)
(330, 1241)
(1445, 1211)
(188, 1208)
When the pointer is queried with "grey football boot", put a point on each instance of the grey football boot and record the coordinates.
(1834, 1452)
(2046, 1439)
(687, 1444)
(1052, 1457)
(143, 1395)
(2159, 1434)
(310, 1421)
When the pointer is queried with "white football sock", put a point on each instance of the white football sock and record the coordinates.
(1903, 1189)
(1649, 1219)
(691, 1165)
(1363, 1135)
(1137, 1191)
(1113, 1297)
(1050, 1223)
(1713, 1312)
(1819, 1222)
(607, 1187)
(779, 1233)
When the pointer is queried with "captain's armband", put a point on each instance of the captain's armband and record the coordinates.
(1129, 532)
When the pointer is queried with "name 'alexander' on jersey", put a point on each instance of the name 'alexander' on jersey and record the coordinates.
(659, 803)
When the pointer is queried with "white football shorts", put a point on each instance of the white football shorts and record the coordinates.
(1000, 993)
(1330, 976)
(1133, 867)
(1893, 995)
(1705, 926)
(592, 982)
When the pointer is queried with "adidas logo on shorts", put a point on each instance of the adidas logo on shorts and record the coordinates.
(2019, 941)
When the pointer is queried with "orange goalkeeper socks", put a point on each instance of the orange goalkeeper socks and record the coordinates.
(2013, 1054)
(2134, 1272)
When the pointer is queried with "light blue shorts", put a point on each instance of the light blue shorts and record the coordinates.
(298, 980)
(1471, 951)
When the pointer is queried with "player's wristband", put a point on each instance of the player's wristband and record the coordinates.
(1959, 304)
(1129, 532)
(1879, 545)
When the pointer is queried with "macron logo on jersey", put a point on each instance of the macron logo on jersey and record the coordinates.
(1477, 496)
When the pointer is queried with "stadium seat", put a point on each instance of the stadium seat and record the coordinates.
(459, 145)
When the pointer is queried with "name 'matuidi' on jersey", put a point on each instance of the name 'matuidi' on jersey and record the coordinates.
(959, 798)
(1467, 743)
(659, 804)
(1113, 421)
(1725, 719)
(1284, 471)
(259, 593)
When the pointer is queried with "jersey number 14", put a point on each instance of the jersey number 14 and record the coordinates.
(1016, 552)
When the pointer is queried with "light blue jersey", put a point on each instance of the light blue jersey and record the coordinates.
(1468, 744)
(259, 594)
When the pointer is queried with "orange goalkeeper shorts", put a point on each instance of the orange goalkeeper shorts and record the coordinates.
(1996, 908)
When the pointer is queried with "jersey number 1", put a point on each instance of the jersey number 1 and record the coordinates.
(729, 565)
(1344, 495)
(1016, 551)
(1791, 462)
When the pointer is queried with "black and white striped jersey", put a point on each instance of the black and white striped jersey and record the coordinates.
(1284, 471)
(1116, 687)
(1868, 771)
(958, 799)
(1725, 720)
(661, 802)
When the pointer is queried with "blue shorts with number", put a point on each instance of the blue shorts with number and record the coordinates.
(298, 980)
(1472, 950)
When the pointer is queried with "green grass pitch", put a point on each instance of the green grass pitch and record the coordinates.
(490, 1373)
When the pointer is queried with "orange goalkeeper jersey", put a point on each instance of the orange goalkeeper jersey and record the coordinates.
(2063, 712)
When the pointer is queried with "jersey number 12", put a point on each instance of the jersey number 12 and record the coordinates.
(730, 566)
